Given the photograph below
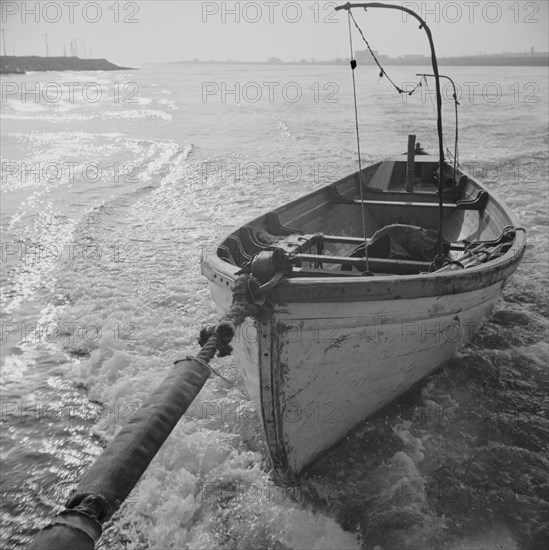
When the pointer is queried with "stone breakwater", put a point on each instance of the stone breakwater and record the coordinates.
(21, 64)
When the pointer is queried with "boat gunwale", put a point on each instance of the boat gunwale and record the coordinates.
(347, 289)
(300, 289)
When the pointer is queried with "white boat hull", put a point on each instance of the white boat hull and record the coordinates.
(325, 366)
(332, 347)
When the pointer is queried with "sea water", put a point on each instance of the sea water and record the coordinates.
(107, 201)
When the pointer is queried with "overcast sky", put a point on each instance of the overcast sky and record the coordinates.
(140, 32)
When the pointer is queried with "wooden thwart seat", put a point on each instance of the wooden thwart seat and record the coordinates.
(478, 203)
(375, 264)
(238, 249)
(308, 240)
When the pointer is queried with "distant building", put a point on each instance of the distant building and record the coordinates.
(364, 57)
(528, 58)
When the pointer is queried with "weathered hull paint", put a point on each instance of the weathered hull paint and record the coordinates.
(336, 364)
(331, 351)
(315, 370)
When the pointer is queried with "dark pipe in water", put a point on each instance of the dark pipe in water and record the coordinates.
(116, 471)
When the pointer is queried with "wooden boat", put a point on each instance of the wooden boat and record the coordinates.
(334, 346)
(339, 336)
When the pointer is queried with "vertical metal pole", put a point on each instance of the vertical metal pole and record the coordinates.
(360, 175)
(410, 166)
(434, 62)
(440, 138)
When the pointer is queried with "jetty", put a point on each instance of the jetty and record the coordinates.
(15, 64)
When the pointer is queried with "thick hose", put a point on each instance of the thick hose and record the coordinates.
(61, 537)
(117, 470)
(115, 473)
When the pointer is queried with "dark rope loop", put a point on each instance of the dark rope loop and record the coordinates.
(224, 332)
(216, 339)
(441, 261)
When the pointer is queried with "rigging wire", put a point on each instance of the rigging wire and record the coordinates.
(360, 182)
(399, 90)
(442, 141)
(382, 72)
(423, 25)
(419, 84)
(455, 155)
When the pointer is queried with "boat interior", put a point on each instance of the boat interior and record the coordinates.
(396, 215)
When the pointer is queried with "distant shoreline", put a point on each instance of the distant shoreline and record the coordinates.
(11, 64)
(15, 64)
(504, 60)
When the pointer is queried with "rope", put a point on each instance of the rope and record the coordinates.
(416, 87)
(382, 72)
(456, 150)
(207, 365)
(428, 91)
(216, 339)
(454, 156)
(442, 261)
(353, 66)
